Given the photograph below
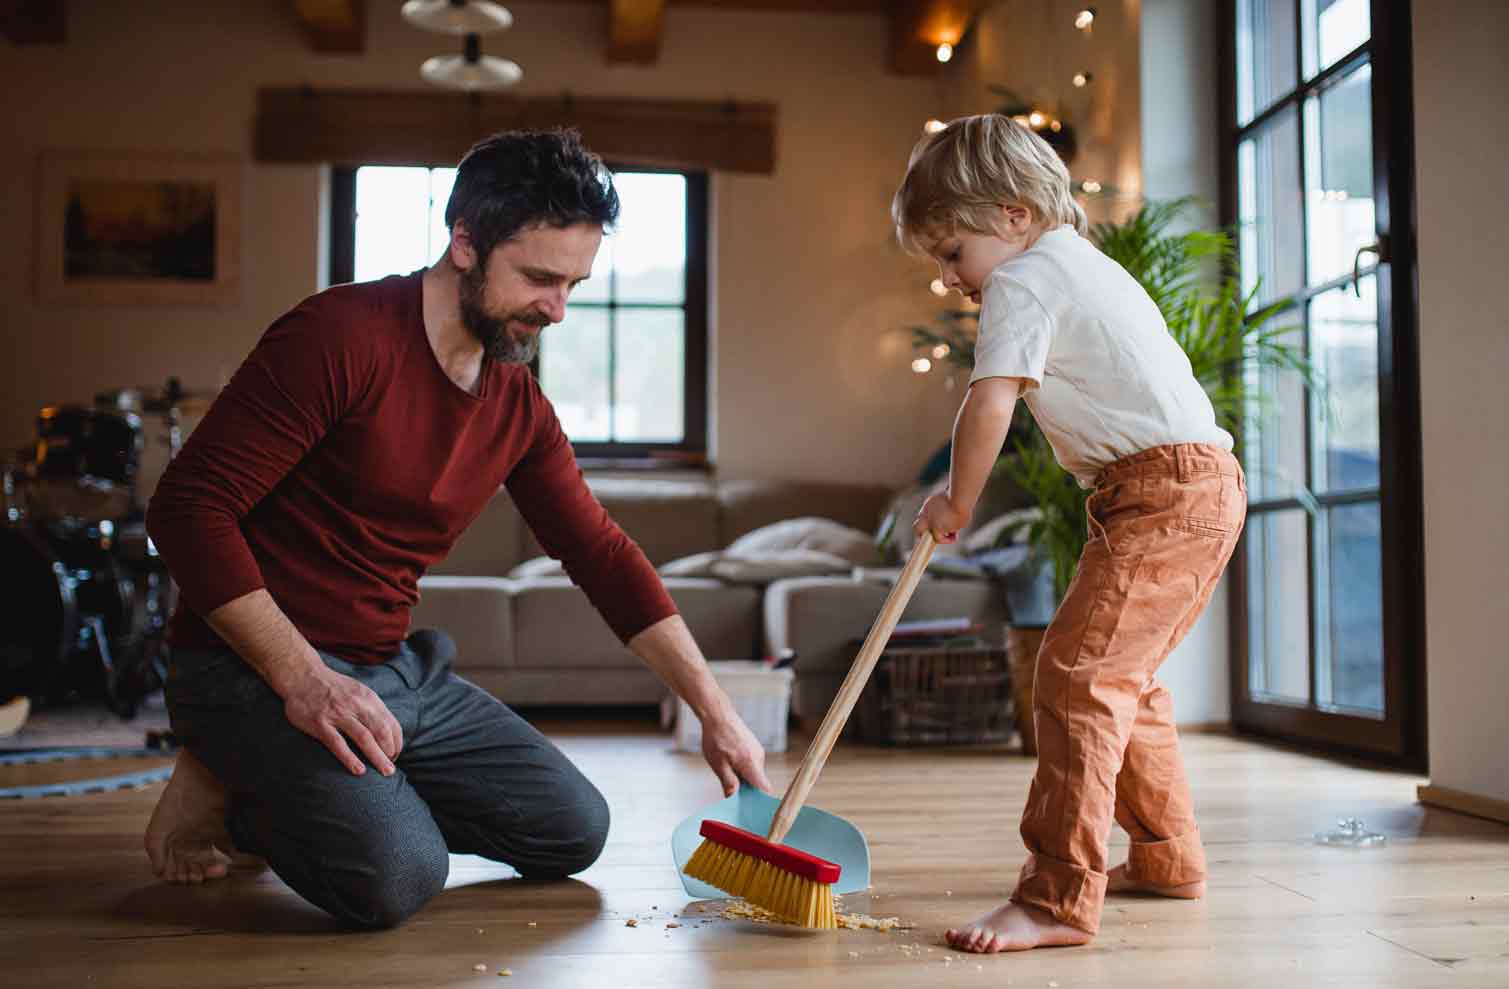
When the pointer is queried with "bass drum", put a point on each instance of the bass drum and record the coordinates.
(39, 618)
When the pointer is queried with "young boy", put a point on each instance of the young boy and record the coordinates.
(1067, 330)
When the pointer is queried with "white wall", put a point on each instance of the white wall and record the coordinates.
(1462, 161)
(811, 300)
(1180, 157)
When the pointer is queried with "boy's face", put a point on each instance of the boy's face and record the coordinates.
(966, 258)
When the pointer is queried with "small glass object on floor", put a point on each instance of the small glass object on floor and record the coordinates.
(1350, 833)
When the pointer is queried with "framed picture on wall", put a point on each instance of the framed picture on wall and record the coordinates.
(139, 229)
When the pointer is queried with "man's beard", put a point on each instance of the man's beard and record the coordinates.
(492, 331)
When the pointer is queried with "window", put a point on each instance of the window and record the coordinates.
(627, 369)
(1330, 632)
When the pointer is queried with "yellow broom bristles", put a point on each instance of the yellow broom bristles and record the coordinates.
(794, 899)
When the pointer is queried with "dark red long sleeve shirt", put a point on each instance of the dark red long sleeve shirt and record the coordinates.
(340, 462)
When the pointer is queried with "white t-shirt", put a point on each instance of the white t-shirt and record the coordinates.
(1103, 376)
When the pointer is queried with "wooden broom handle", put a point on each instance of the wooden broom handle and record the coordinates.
(848, 694)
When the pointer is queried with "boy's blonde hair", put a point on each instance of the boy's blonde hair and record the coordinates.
(963, 175)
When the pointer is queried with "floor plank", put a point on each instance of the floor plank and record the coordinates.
(1431, 908)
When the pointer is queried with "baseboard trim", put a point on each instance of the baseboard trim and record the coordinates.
(1205, 728)
(1464, 803)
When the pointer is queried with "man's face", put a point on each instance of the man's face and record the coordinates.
(525, 286)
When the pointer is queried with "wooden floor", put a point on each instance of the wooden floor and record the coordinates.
(1430, 909)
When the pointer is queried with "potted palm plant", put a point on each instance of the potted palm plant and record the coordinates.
(1191, 276)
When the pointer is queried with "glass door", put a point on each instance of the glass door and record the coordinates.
(1327, 641)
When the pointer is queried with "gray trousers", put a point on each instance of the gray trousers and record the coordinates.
(473, 778)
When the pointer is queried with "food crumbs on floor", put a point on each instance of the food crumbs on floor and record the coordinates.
(479, 968)
(631, 922)
(505, 972)
(672, 924)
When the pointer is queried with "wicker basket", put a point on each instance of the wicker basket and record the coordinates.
(938, 696)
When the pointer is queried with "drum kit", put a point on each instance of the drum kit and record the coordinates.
(88, 598)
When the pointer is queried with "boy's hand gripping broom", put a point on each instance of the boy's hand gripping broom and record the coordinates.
(792, 884)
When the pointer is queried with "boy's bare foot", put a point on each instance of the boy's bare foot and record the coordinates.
(1014, 927)
(1117, 882)
(186, 838)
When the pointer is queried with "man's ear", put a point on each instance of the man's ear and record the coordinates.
(463, 253)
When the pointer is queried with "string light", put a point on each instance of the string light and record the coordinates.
(1081, 79)
(922, 365)
(1085, 18)
(940, 351)
(934, 126)
(1056, 126)
(1035, 119)
(945, 52)
(1090, 185)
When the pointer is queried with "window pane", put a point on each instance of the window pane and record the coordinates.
(574, 372)
(1278, 601)
(441, 181)
(649, 241)
(1265, 54)
(1270, 220)
(392, 215)
(1332, 29)
(1344, 342)
(1339, 163)
(1354, 588)
(1273, 451)
(650, 387)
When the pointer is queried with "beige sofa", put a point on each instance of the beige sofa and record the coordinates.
(538, 641)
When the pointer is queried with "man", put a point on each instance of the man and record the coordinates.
(370, 425)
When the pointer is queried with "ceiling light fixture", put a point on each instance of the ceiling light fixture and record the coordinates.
(457, 17)
(471, 70)
(945, 52)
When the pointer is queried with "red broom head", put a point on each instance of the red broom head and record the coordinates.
(783, 857)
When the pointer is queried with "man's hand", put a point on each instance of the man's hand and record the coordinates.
(941, 517)
(333, 707)
(733, 752)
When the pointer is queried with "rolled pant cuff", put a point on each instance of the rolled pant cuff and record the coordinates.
(1171, 862)
(1072, 894)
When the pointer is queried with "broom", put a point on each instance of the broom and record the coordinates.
(793, 885)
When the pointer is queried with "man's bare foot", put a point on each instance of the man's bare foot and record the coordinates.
(1014, 927)
(1117, 882)
(186, 838)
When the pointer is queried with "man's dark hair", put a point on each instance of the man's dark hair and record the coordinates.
(517, 179)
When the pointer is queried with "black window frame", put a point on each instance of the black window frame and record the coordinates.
(1399, 737)
(691, 452)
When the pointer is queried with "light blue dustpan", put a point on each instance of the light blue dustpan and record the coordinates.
(815, 832)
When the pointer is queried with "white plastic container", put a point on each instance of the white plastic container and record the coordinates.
(761, 695)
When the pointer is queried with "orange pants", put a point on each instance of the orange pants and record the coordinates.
(1163, 524)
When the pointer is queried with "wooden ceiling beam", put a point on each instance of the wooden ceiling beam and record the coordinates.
(634, 30)
(918, 27)
(334, 26)
(34, 22)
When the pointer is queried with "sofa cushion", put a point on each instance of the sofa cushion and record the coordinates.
(477, 612)
(758, 567)
(809, 533)
(539, 566)
(748, 505)
(668, 519)
(557, 627)
(490, 546)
